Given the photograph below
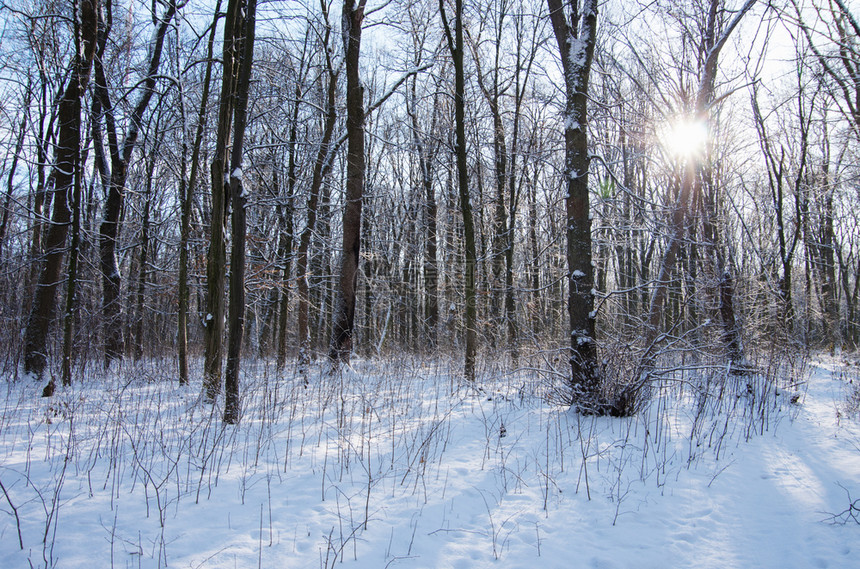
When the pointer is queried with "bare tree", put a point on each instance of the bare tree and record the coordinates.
(63, 173)
(456, 46)
(217, 256)
(691, 186)
(786, 174)
(834, 45)
(120, 156)
(344, 319)
(186, 195)
(575, 27)
(322, 166)
(239, 200)
(229, 195)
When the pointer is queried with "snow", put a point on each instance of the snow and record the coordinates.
(570, 123)
(577, 54)
(393, 463)
(577, 274)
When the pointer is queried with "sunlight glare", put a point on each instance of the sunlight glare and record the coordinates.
(685, 137)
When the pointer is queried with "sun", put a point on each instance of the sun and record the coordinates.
(684, 137)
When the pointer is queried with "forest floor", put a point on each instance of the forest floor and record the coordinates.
(395, 463)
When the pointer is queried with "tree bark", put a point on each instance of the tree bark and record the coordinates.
(344, 320)
(322, 165)
(456, 46)
(72, 278)
(576, 40)
(239, 198)
(120, 158)
(186, 191)
(217, 256)
(67, 150)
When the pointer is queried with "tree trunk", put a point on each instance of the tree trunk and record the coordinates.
(186, 199)
(344, 319)
(576, 44)
(425, 157)
(239, 198)
(515, 185)
(67, 150)
(140, 297)
(322, 166)
(455, 44)
(72, 280)
(217, 256)
(120, 158)
(285, 253)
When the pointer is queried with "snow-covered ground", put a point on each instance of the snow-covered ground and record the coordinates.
(396, 463)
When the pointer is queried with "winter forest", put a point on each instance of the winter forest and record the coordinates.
(429, 283)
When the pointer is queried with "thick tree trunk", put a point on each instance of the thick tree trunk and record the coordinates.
(576, 45)
(67, 150)
(217, 257)
(239, 199)
(72, 279)
(344, 319)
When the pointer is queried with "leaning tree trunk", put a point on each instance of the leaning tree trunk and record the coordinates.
(120, 158)
(67, 149)
(690, 188)
(344, 319)
(321, 168)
